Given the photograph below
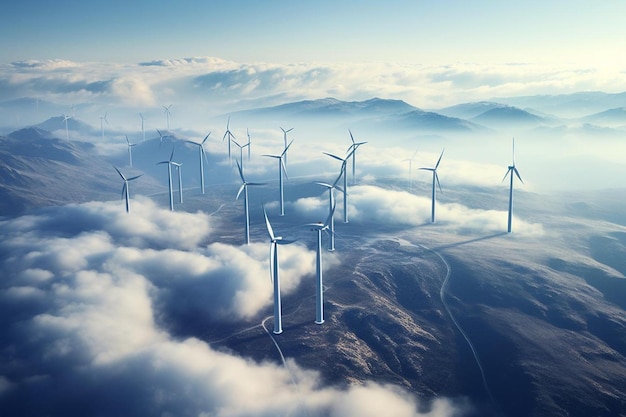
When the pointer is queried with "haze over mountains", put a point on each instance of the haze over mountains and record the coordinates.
(456, 317)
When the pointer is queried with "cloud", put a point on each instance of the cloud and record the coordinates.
(368, 204)
(86, 310)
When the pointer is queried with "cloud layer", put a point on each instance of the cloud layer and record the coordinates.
(89, 296)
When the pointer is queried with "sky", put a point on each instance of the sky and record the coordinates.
(424, 32)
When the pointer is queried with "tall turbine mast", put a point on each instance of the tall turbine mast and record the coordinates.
(67, 131)
(511, 170)
(102, 120)
(281, 170)
(202, 157)
(244, 189)
(435, 183)
(274, 273)
(143, 131)
(331, 208)
(168, 113)
(228, 135)
(319, 287)
(169, 178)
(411, 170)
(344, 161)
(125, 192)
(130, 151)
(353, 149)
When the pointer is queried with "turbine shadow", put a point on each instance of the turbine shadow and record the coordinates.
(466, 242)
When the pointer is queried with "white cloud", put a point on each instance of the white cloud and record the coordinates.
(83, 323)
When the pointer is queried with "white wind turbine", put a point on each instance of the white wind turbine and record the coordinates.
(103, 119)
(353, 148)
(202, 157)
(161, 137)
(130, 151)
(512, 169)
(168, 113)
(67, 131)
(435, 180)
(228, 134)
(285, 140)
(249, 143)
(125, 192)
(143, 131)
(344, 161)
(281, 170)
(240, 151)
(319, 288)
(274, 272)
(179, 171)
(411, 170)
(169, 177)
(244, 188)
(331, 208)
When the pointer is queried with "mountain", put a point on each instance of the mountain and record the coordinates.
(431, 121)
(568, 105)
(469, 110)
(508, 116)
(38, 169)
(74, 125)
(611, 117)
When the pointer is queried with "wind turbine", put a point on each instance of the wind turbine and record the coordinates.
(130, 151)
(143, 131)
(281, 170)
(274, 272)
(179, 170)
(249, 143)
(169, 177)
(331, 208)
(230, 136)
(319, 288)
(354, 147)
(161, 137)
(67, 132)
(102, 120)
(244, 189)
(240, 151)
(512, 169)
(411, 170)
(202, 157)
(168, 113)
(285, 140)
(344, 161)
(125, 193)
(435, 179)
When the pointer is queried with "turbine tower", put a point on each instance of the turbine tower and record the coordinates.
(244, 189)
(344, 161)
(353, 148)
(319, 287)
(249, 143)
(168, 113)
(512, 169)
(331, 209)
(125, 193)
(274, 272)
(102, 120)
(169, 177)
(67, 131)
(435, 180)
(411, 170)
(130, 151)
(285, 140)
(143, 131)
(281, 170)
(228, 134)
(240, 152)
(202, 157)
(179, 171)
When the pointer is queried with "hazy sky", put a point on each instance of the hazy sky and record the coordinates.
(427, 32)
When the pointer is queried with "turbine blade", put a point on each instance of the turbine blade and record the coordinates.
(134, 178)
(240, 173)
(256, 183)
(330, 216)
(285, 241)
(268, 225)
(517, 173)
(351, 137)
(118, 171)
(243, 186)
(323, 184)
(282, 166)
(272, 248)
(334, 156)
(287, 147)
(439, 160)
(205, 138)
(506, 175)
(437, 180)
(123, 190)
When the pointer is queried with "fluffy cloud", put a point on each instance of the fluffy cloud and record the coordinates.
(86, 308)
(374, 205)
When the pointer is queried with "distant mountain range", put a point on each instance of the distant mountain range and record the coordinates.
(38, 170)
